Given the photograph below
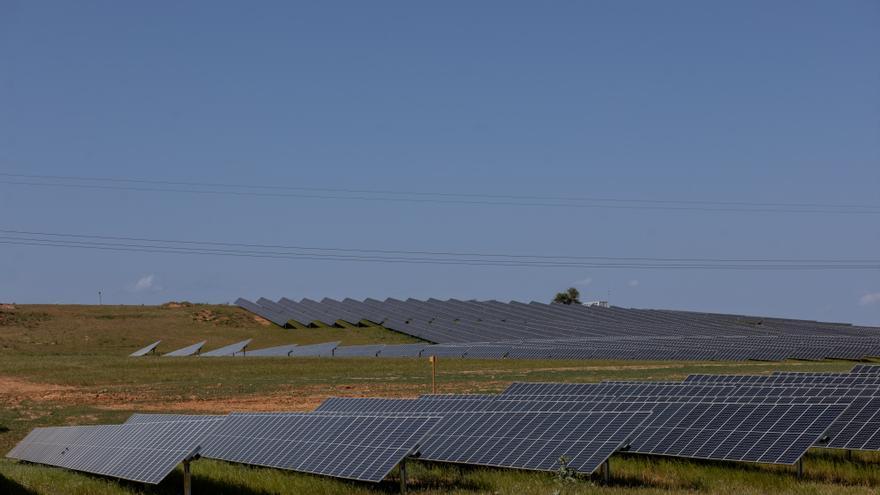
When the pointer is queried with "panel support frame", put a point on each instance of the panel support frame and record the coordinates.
(402, 467)
(187, 478)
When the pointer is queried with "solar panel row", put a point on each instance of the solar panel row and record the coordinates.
(666, 348)
(362, 448)
(767, 419)
(456, 321)
(684, 427)
(143, 452)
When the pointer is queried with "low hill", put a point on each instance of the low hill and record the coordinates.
(119, 330)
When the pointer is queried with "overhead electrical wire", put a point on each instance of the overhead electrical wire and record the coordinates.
(449, 198)
(256, 251)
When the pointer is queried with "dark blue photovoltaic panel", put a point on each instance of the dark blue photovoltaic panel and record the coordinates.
(866, 368)
(752, 432)
(858, 428)
(363, 448)
(527, 440)
(144, 452)
(514, 330)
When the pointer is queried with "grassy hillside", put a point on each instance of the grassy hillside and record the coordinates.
(63, 365)
(120, 330)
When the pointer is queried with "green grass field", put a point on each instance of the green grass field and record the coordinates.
(63, 365)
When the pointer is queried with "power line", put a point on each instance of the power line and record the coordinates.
(260, 191)
(438, 253)
(169, 247)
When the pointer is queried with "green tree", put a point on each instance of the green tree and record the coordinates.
(571, 296)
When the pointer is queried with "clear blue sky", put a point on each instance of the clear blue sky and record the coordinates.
(756, 101)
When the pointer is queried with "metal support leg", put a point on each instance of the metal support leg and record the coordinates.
(606, 471)
(403, 477)
(849, 455)
(187, 479)
(800, 468)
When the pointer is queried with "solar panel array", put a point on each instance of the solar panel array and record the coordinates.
(686, 426)
(362, 448)
(453, 320)
(425, 405)
(529, 440)
(762, 418)
(696, 348)
(689, 427)
(143, 452)
(492, 329)
(161, 418)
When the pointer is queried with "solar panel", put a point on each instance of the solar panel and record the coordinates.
(402, 350)
(370, 350)
(229, 350)
(866, 368)
(262, 312)
(749, 432)
(532, 441)
(363, 448)
(364, 405)
(143, 452)
(764, 433)
(858, 428)
(281, 350)
(160, 418)
(786, 378)
(314, 350)
(536, 330)
(186, 351)
(146, 350)
(423, 405)
(459, 396)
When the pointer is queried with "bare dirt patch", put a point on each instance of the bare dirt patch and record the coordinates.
(14, 390)
(286, 399)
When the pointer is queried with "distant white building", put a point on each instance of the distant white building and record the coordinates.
(597, 304)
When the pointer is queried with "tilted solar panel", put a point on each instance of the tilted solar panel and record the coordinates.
(866, 368)
(364, 405)
(368, 350)
(363, 448)
(229, 350)
(420, 406)
(402, 350)
(161, 418)
(314, 350)
(277, 351)
(748, 432)
(146, 350)
(764, 433)
(528, 440)
(786, 378)
(858, 428)
(186, 351)
(143, 452)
